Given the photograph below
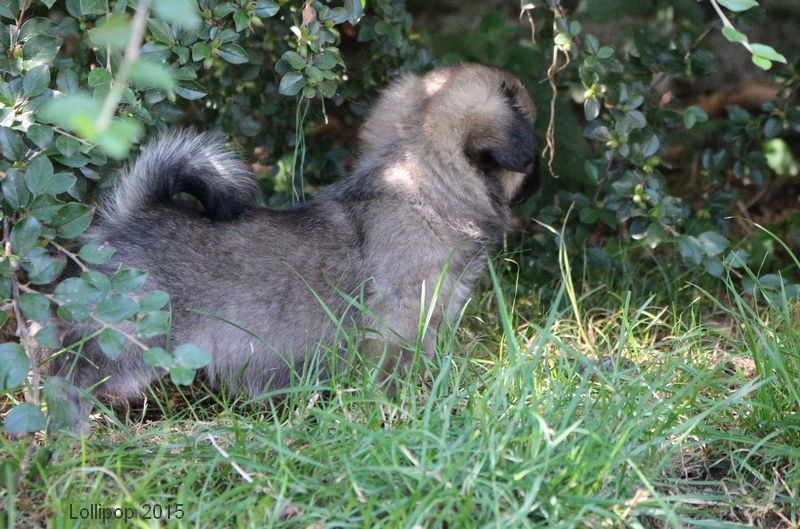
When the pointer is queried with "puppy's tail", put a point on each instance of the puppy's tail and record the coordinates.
(183, 162)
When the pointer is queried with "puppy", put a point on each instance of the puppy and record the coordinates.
(444, 157)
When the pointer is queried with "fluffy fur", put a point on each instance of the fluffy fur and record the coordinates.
(444, 156)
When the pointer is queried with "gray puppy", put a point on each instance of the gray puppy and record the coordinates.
(444, 157)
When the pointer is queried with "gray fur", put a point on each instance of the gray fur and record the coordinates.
(444, 156)
(183, 161)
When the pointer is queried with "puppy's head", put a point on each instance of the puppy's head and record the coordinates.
(472, 120)
(490, 114)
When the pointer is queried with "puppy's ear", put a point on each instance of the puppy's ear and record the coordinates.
(517, 150)
(506, 142)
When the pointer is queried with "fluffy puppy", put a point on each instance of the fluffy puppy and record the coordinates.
(444, 157)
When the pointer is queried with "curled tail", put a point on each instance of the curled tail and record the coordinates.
(184, 162)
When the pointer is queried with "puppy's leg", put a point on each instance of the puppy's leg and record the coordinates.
(399, 337)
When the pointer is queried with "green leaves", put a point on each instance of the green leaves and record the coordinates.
(188, 358)
(241, 20)
(180, 12)
(780, 158)
(182, 364)
(773, 286)
(116, 308)
(35, 307)
(96, 253)
(158, 357)
(314, 67)
(111, 342)
(25, 235)
(41, 49)
(154, 300)
(704, 249)
(566, 33)
(738, 5)
(42, 267)
(327, 60)
(762, 55)
(48, 337)
(41, 180)
(87, 289)
(62, 403)
(265, 8)
(591, 108)
(93, 7)
(72, 220)
(14, 366)
(191, 356)
(147, 75)
(733, 35)
(153, 323)
(39, 172)
(182, 376)
(128, 280)
(23, 419)
(233, 54)
(294, 59)
(41, 135)
(117, 139)
(712, 243)
(161, 31)
(693, 115)
(36, 80)
(113, 32)
(38, 26)
(76, 112)
(15, 192)
(99, 77)
(291, 84)
(309, 74)
(628, 123)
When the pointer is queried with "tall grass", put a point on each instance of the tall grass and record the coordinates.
(604, 405)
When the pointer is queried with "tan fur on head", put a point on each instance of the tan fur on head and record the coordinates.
(470, 117)
(451, 100)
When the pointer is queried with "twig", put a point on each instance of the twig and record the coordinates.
(25, 463)
(552, 71)
(725, 20)
(727, 23)
(71, 255)
(550, 149)
(702, 36)
(234, 464)
(65, 133)
(526, 11)
(22, 8)
(131, 54)
(31, 394)
(108, 46)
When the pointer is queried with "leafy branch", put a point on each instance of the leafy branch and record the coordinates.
(763, 55)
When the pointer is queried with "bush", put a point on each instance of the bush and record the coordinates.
(623, 163)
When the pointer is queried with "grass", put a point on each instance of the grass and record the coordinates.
(617, 402)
